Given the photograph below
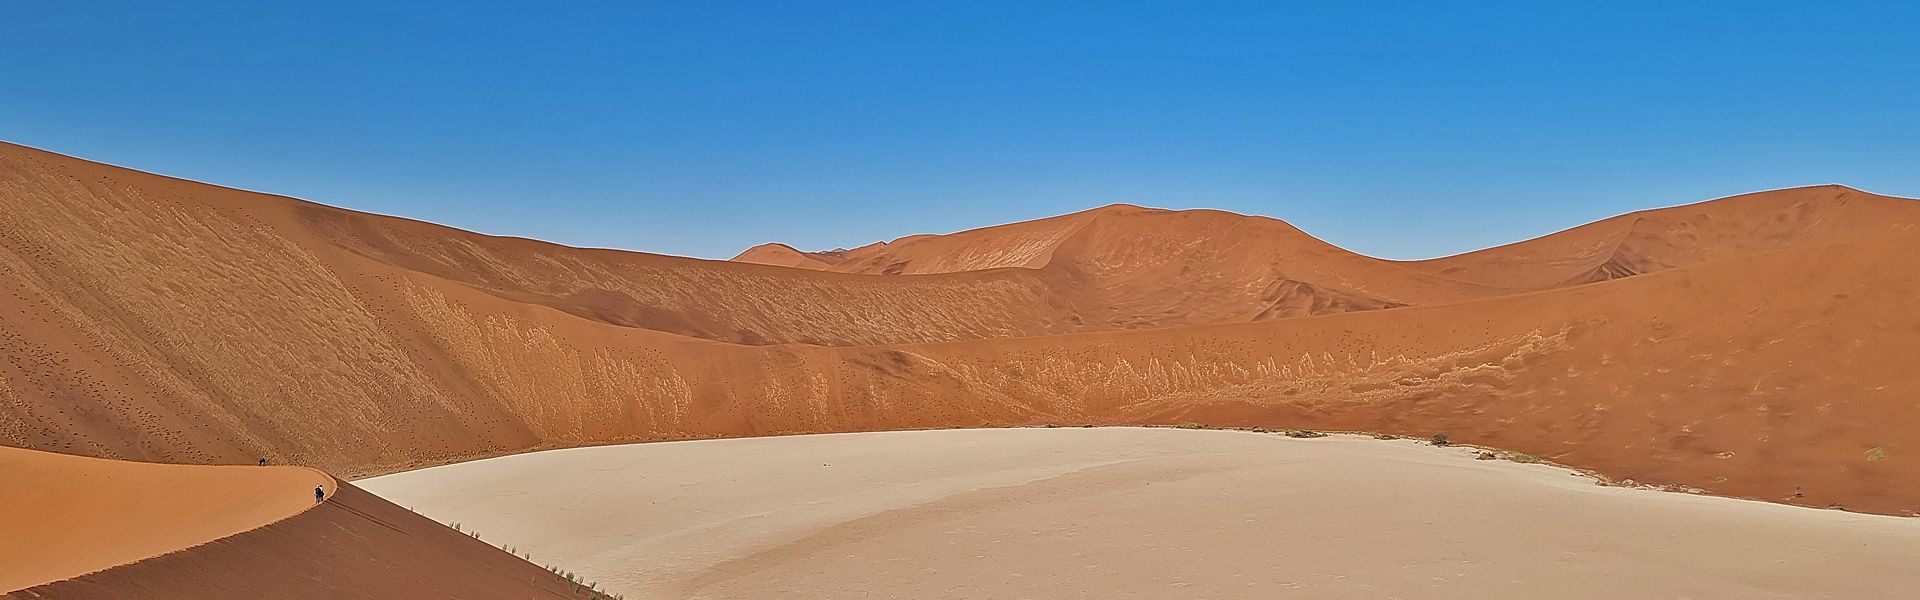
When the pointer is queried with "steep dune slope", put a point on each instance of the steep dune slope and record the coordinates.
(1755, 377)
(354, 546)
(69, 515)
(165, 320)
(1659, 239)
(160, 319)
(724, 301)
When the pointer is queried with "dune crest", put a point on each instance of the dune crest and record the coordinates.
(71, 515)
(355, 545)
(1741, 346)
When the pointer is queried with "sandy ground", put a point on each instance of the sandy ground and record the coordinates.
(1137, 513)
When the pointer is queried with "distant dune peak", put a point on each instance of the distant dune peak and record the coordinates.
(782, 255)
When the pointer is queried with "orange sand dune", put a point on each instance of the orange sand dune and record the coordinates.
(355, 545)
(1143, 267)
(1623, 246)
(1028, 244)
(1660, 239)
(1758, 351)
(1139, 266)
(70, 515)
(782, 255)
(1711, 376)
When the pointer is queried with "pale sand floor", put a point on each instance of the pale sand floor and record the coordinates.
(1138, 513)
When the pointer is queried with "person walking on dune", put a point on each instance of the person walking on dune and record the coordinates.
(319, 493)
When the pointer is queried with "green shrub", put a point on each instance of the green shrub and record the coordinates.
(1439, 439)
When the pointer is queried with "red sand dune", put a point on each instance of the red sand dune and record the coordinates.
(1130, 267)
(1660, 239)
(353, 546)
(1746, 346)
(71, 515)
(782, 255)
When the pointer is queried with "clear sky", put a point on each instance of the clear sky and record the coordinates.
(1403, 130)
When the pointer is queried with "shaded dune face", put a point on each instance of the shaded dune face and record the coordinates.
(355, 545)
(69, 515)
(1747, 346)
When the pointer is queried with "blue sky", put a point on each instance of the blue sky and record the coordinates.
(1402, 130)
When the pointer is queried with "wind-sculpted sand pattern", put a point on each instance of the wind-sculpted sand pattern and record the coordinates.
(1155, 386)
(1751, 346)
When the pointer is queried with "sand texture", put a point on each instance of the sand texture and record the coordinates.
(69, 515)
(1752, 346)
(1140, 513)
(354, 546)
